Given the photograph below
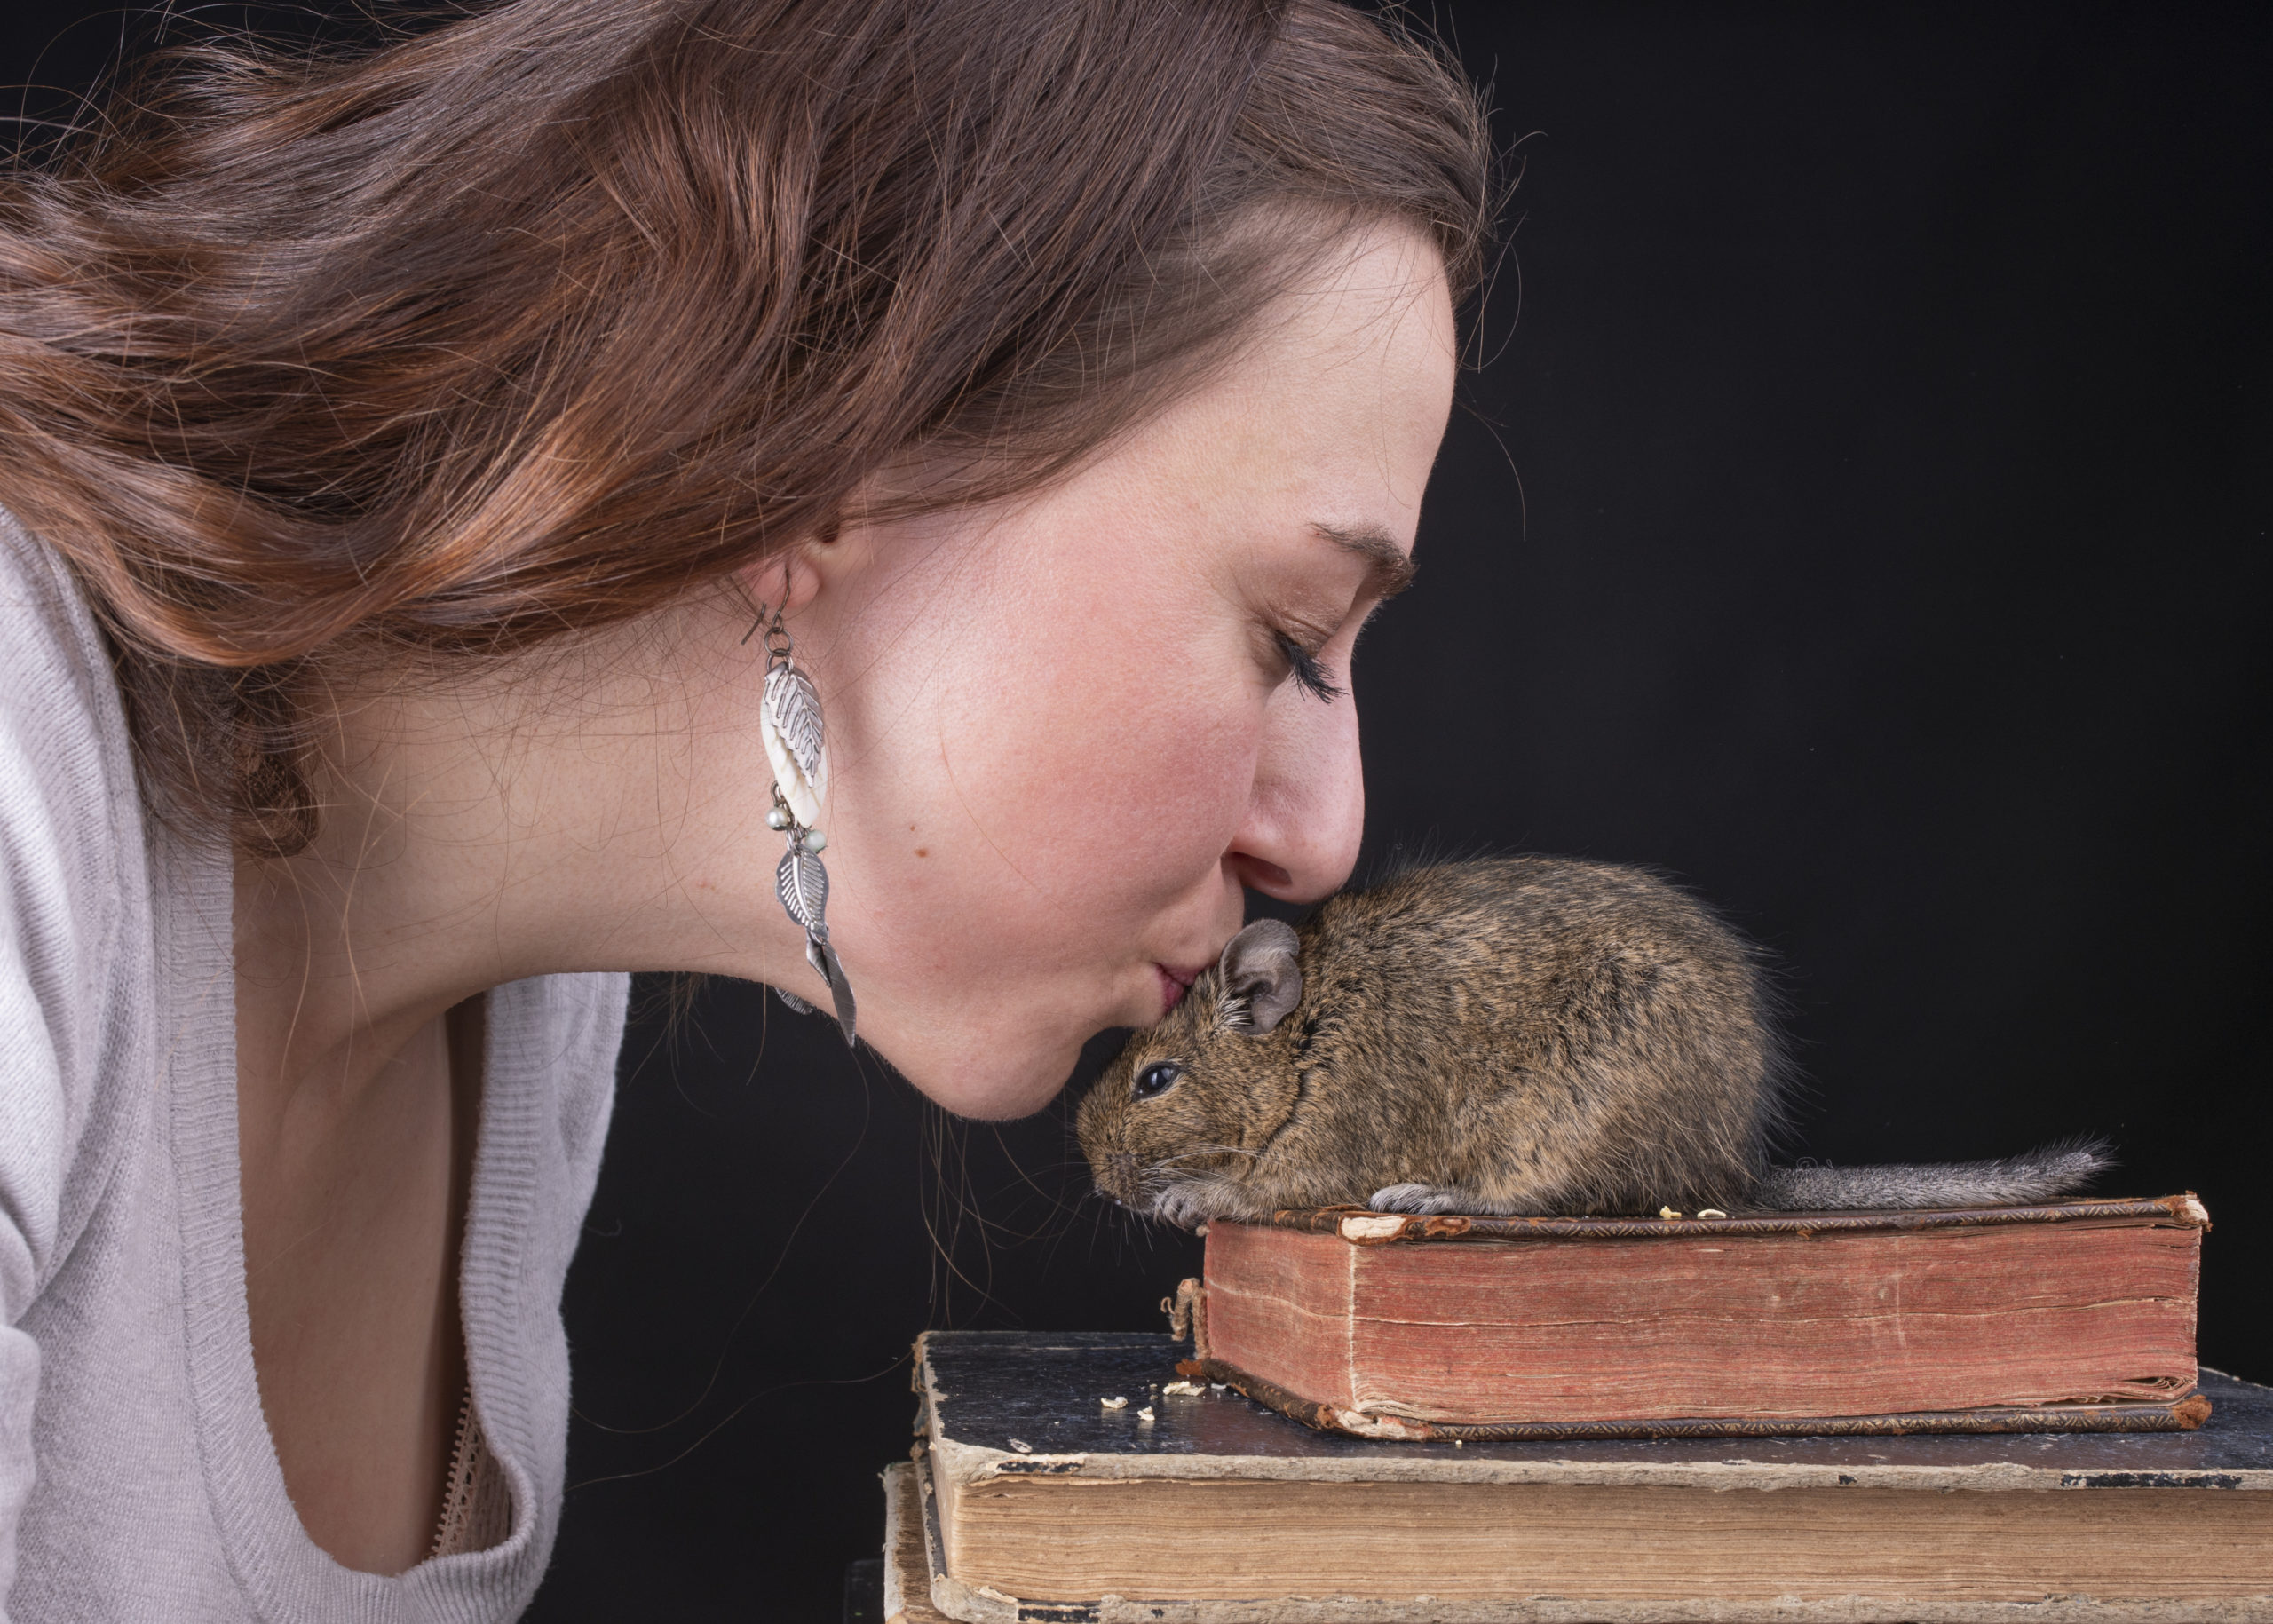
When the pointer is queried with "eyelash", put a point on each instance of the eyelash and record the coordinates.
(1309, 675)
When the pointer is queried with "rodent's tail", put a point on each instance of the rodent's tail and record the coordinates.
(2035, 1176)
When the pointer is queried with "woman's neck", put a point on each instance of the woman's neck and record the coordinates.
(489, 830)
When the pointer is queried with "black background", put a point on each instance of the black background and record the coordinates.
(1864, 519)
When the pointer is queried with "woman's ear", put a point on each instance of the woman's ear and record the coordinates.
(790, 579)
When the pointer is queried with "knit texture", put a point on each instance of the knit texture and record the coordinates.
(137, 1480)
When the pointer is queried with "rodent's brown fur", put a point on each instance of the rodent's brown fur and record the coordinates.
(1521, 1034)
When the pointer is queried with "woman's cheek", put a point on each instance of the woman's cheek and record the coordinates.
(1077, 868)
(1149, 805)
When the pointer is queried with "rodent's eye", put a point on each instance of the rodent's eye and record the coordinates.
(1156, 1080)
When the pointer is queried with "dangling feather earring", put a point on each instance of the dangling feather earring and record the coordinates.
(788, 720)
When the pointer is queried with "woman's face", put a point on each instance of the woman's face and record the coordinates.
(1065, 731)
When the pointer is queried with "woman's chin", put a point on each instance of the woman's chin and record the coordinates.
(993, 1088)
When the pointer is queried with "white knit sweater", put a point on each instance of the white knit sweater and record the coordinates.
(136, 1477)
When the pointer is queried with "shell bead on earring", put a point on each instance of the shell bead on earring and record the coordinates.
(789, 723)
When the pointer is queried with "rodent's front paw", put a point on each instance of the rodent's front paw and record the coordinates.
(1421, 1198)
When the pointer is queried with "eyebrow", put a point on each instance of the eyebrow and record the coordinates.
(1389, 571)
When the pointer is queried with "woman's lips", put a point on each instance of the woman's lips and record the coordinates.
(1173, 983)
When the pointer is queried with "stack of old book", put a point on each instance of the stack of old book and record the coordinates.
(1992, 1414)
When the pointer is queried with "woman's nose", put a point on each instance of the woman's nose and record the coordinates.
(1307, 811)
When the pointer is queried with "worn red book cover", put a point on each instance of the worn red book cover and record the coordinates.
(2076, 1316)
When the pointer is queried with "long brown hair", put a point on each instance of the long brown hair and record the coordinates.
(533, 322)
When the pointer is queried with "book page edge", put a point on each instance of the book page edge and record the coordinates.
(983, 1604)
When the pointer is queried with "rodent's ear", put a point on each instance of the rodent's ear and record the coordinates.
(1262, 980)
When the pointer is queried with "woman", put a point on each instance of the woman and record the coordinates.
(417, 461)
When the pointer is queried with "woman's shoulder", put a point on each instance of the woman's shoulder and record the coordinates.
(67, 798)
(74, 945)
(56, 689)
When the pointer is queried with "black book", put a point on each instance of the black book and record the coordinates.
(1076, 1478)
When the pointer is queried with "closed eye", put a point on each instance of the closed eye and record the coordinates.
(1302, 666)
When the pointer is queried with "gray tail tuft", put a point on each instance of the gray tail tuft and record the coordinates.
(2034, 1176)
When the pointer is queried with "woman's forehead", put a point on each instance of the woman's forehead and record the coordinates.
(1322, 431)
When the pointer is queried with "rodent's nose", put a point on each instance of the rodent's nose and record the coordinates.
(1120, 1177)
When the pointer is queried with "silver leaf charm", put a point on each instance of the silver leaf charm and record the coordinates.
(840, 990)
(794, 1002)
(789, 723)
(822, 957)
(803, 885)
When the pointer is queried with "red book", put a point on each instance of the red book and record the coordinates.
(2077, 1316)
